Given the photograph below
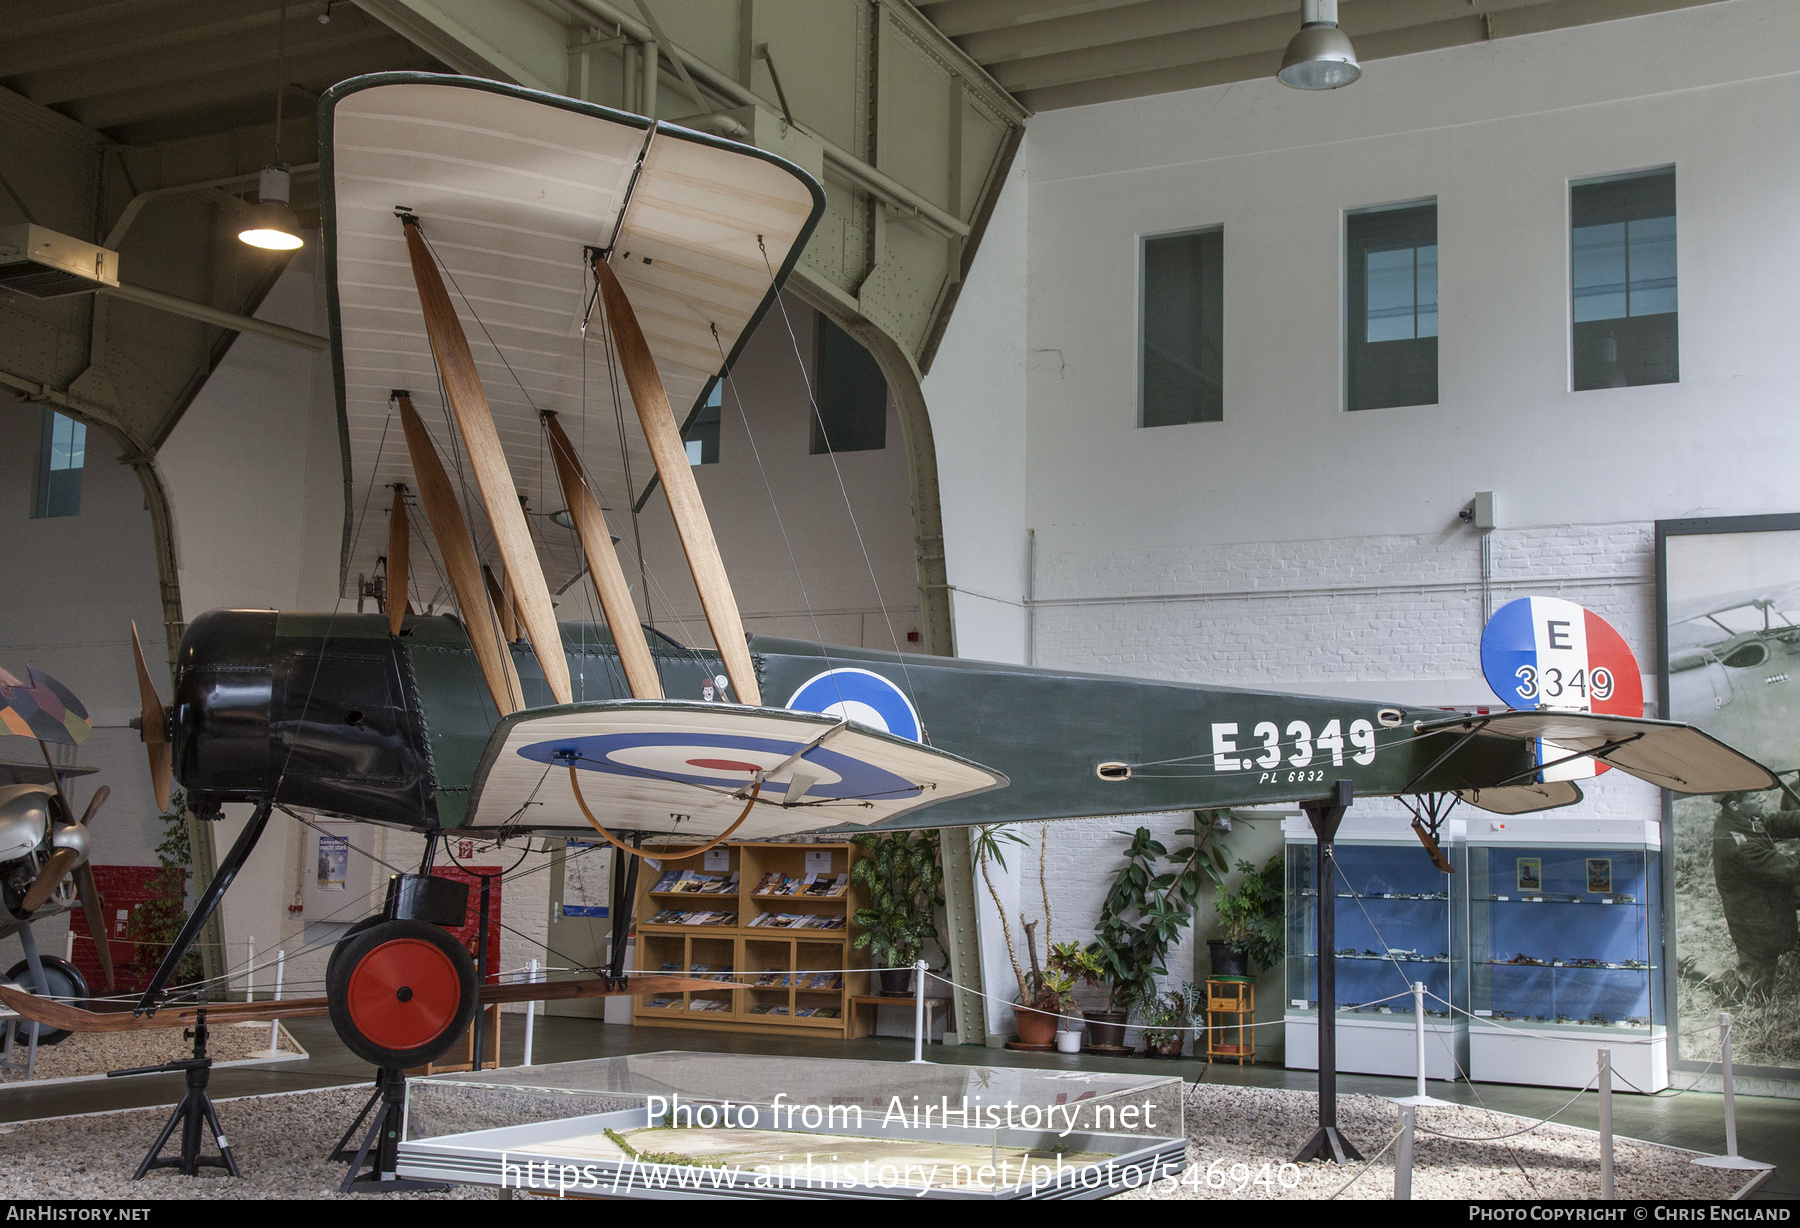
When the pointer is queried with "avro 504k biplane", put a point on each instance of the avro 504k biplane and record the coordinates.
(572, 235)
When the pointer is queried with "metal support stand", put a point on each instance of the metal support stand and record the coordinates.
(196, 1107)
(624, 899)
(1403, 1159)
(1327, 1143)
(478, 1028)
(383, 1138)
(1731, 1158)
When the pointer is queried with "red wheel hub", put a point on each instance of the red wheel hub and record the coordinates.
(403, 994)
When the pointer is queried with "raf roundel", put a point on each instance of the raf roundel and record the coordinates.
(861, 695)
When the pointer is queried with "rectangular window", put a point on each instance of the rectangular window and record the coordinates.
(60, 461)
(852, 395)
(1391, 299)
(1182, 337)
(703, 437)
(1622, 280)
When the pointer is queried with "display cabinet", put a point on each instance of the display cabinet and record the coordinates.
(1565, 936)
(1397, 923)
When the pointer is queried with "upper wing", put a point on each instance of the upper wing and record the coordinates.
(511, 187)
(1775, 597)
(679, 767)
(1665, 753)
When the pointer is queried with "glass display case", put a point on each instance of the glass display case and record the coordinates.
(1397, 923)
(1565, 944)
(1565, 940)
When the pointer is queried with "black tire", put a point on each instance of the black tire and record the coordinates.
(365, 924)
(400, 993)
(66, 985)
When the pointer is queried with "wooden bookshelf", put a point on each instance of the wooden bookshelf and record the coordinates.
(787, 954)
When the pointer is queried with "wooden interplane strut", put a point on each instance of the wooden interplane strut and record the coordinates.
(603, 566)
(461, 566)
(398, 560)
(689, 513)
(493, 477)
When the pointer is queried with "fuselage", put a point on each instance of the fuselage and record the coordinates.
(331, 713)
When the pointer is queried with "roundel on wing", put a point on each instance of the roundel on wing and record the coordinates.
(862, 695)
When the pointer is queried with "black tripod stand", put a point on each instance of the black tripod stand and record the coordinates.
(195, 1107)
(389, 1106)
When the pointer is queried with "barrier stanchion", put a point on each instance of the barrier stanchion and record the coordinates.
(1606, 1130)
(530, 1011)
(1731, 1158)
(919, 1012)
(274, 1049)
(1403, 1159)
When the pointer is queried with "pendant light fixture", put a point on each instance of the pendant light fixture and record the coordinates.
(272, 225)
(1320, 57)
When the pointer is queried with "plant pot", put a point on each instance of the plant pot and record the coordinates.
(1165, 1049)
(1035, 1027)
(1069, 1042)
(1106, 1029)
(1225, 961)
(896, 982)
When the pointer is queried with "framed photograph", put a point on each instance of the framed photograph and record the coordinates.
(1728, 609)
(1599, 875)
(1531, 874)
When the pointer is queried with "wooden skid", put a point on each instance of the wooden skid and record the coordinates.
(78, 1019)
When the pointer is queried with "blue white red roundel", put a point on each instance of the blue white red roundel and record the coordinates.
(865, 697)
(719, 761)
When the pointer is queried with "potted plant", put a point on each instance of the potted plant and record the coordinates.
(1045, 993)
(1164, 1018)
(904, 881)
(1250, 921)
(1143, 917)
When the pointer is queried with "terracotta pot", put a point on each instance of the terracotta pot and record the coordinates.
(1106, 1029)
(1035, 1027)
(1167, 1048)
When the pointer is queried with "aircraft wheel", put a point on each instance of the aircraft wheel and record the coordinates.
(66, 985)
(400, 993)
(365, 924)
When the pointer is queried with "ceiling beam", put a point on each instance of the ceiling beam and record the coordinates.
(198, 22)
(959, 17)
(1114, 25)
(30, 18)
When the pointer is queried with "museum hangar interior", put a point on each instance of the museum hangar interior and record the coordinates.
(1161, 411)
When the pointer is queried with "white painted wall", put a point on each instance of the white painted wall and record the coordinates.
(1295, 545)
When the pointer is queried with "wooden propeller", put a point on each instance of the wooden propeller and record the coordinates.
(95, 911)
(670, 455)
(398, 561)
(509, 626)
(463, 568)
(603, 566)
(56, 868)
(493, 477)
(153, 728)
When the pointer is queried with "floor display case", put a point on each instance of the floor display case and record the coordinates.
(580, 1129)
(1397, 923)
(1565, 936)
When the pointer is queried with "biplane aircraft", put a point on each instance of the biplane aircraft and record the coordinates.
(1736, 657)
(569, 233)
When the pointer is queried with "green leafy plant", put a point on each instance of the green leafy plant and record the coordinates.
(1250, 917)
(1163, 1016)
(154, 924)
(1147, 908)
(904, 878)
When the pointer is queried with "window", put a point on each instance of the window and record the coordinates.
(852, 395)
(59, 465)
(1391, 285)
(1622, 274)
(703, 437)
(1182, 334)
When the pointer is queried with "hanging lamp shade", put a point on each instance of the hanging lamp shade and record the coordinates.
(1320, 56)
(272, 225)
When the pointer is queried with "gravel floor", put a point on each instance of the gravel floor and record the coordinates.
(281, 1141)
(95, 1053)
(1244, 1134)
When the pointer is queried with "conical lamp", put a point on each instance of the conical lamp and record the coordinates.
(1320, 56)
(272, 224)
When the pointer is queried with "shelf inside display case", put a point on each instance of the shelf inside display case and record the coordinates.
(1565, 935)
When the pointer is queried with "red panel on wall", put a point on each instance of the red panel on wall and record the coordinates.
(122, 890)
(471, 926)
